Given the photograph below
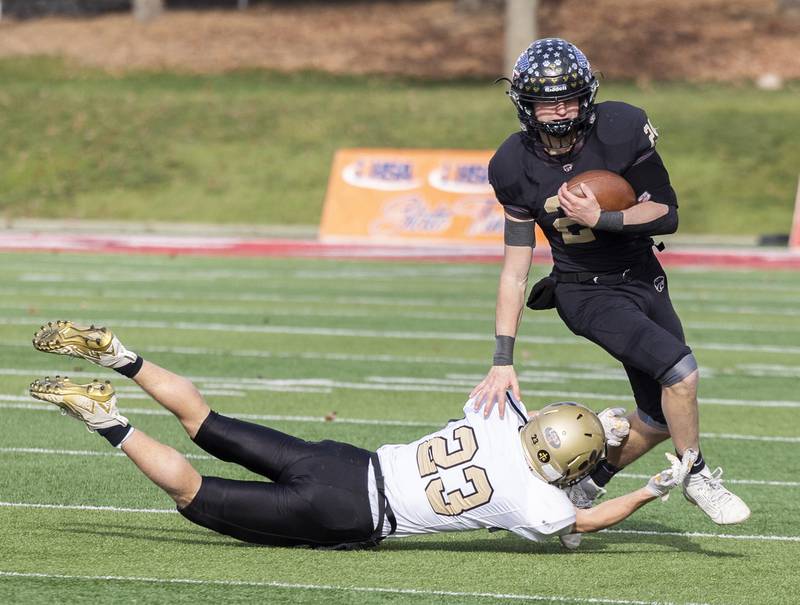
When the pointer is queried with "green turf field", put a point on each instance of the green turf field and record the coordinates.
(256, 147)
(393, 348)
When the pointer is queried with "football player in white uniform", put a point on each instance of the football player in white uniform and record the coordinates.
(504, 473)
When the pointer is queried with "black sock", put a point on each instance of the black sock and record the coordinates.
(603, 473)
(116, 434)
(132, 368)
(698, 465)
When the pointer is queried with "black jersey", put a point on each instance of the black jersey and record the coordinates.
(526, 180)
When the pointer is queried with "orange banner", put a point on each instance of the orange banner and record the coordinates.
(430, 196)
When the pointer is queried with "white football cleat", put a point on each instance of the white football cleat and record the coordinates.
(94, 403)
(95, 344)
(705, 489)
(583, 495)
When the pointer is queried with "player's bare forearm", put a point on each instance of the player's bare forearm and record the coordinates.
(510, 301)
(611, 511)
(644, 212)
(511, 291)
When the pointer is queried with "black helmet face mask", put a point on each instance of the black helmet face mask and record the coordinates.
(548, 71)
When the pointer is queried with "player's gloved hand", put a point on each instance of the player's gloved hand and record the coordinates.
(661, 484)
(492, 390)
(615, 425)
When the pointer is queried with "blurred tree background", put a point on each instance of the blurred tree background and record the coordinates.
(234, 115)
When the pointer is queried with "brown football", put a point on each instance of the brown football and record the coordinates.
(611, 190)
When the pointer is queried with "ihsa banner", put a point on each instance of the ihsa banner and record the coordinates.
(431, 196)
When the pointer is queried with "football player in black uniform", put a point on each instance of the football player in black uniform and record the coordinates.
(606, 284)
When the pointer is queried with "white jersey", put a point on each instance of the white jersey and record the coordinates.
(472, 474)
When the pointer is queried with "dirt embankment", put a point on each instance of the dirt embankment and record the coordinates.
(694, 40)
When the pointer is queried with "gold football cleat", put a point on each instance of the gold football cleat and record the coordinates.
(94, 403)
(95, 344)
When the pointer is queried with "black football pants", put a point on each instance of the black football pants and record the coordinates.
(635, 322)
(318, 495)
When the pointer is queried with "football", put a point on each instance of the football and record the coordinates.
(611, 190)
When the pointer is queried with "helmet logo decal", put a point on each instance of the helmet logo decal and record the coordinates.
(658, 283)
(581, 58)
(543, 456)
(551, 435)
(522, 62)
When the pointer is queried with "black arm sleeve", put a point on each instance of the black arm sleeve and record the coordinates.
(519, 233)
(648, 175)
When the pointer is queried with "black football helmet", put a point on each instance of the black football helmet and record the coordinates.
(551, 70)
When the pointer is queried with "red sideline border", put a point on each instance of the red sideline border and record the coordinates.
(287, 248)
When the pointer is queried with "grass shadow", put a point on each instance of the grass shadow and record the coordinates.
(606, 543)
(501, 542)
(143, 532)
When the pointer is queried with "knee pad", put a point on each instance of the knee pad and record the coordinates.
(679, 371)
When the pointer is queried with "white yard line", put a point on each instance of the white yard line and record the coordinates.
(39, 451)
(10, 402)
(376, 282)
(596, 369)
(284, 311)
(61, 293)
(718, 279)
(363, 333)
(337, 588)
(733, 481)
(18, 402)
(334, 299)
(110, 509)
(43, 451)
(234, 387)
(297, 313)
(692, 534)
(385, 273)
(387, 286)
(765, 311)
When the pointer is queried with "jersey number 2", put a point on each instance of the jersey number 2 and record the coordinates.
(562, 225)
(433, 455)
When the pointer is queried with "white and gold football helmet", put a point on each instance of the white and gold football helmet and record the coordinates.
(563, 442)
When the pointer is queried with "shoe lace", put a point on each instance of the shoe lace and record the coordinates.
(714, 483)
